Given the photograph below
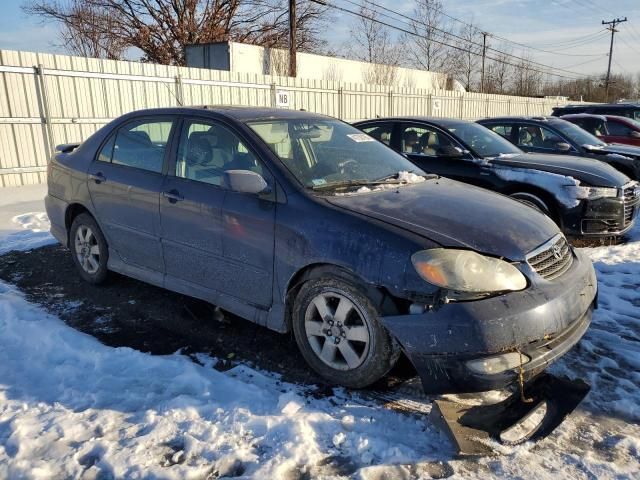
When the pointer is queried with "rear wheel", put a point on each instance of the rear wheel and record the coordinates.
(88, 249)
(337, 330)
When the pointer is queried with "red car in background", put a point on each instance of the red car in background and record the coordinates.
(609, 128)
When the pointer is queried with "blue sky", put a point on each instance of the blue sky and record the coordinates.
(541, 23)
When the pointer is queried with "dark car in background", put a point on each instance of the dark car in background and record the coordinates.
(556, 136)
(630, 110)
(608, 128)
(585, 197)
(300, 222)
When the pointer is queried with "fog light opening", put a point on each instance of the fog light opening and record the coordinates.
(497, 363)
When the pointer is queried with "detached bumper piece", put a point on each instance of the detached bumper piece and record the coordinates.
(548, 400)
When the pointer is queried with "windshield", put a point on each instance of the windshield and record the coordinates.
(322, 153)
(484, 142)
(577, 134)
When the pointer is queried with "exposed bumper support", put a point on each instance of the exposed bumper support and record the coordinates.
(542, 322)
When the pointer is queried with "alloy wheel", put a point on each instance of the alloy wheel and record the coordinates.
(87, 249)
(337, 331)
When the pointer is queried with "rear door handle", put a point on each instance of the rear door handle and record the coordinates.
(173, 196)
(97, 177)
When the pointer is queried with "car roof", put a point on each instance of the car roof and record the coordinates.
(621, 106)
(438, 121)
(238, 113)
(586, 115)
(521, 118)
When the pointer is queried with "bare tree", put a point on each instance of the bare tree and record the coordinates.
(373, 43)
(430, 30)
(162, 29)
(527, 79)
(499, 71)
(467, 64)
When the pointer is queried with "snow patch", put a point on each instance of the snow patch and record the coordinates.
(33, 232)
(565, 189)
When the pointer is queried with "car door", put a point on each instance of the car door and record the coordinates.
(124, 182)
(427, 147)
(215, 239)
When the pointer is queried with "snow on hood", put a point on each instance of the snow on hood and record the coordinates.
(404, 178)
(566, 190)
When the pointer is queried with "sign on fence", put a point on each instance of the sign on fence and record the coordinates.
(282, 98)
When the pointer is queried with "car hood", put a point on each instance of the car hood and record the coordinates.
(627, 150)
(455, 214)
(587, 170)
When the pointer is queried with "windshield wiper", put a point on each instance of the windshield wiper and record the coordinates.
(345, 184)
(396, 176)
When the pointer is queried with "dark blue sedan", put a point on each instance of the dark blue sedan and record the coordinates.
(300, 222)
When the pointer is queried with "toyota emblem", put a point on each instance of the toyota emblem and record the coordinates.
(557, 251)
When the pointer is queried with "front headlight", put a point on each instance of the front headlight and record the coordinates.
(594, 193)
(466, 271)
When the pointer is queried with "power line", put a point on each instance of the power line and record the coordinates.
(550, 70)
(455, 47)
(475, 27)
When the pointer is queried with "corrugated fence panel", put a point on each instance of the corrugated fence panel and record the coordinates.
(48, 99)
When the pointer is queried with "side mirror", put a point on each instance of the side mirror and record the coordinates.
(563, 146)
(635, 134)
(246, 181)
(449, 151)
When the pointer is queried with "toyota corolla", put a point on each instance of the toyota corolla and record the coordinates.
(300, 222)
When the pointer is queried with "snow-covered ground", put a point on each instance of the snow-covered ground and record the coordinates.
(71, 407)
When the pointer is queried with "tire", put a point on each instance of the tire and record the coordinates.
(338, 333)
(533, 201)
(89, 249)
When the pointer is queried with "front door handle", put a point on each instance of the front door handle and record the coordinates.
(173, 196)
(97, 177)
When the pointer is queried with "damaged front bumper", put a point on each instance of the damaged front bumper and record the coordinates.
(453, 347)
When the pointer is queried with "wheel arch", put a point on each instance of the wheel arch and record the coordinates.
(542, 194)
(72, 211)
(378, 294)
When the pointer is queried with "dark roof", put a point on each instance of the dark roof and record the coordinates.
(584, 115)
(241, 114)
(621, 106)
(523, 117)
(443, 122)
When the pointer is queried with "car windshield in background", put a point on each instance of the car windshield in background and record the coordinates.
(577, 134)
(325, 154)
(483, 141)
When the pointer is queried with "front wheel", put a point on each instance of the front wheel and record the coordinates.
(88, 249)
(337, 330)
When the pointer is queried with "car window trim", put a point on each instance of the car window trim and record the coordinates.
(114, 135)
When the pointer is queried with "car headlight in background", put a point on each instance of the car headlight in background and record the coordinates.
(594, 193)
(467, 271)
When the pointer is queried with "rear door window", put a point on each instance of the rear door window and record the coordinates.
(141, 144)
(502, 130)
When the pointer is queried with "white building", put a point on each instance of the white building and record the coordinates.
(244, 58)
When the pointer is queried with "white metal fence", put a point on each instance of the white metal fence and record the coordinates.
(51, 99)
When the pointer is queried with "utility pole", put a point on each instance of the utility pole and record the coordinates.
(292, 38)
(484, 54)
(612, 27)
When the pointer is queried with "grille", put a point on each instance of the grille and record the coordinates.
(631, 200)
(553, 259)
